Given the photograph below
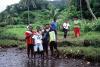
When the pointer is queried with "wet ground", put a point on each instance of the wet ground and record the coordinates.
(13, 57)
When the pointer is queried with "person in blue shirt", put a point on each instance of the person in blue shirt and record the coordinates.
(54, 26)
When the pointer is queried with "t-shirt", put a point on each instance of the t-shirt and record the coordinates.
(46, 36)
(66, 25)
(52, 36)
(28, 35)
(76, 23)
(37, 38)
(54, 25)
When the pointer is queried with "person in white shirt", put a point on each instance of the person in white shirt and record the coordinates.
(38, 42)
(65, 28)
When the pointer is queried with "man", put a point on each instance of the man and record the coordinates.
(28, 36)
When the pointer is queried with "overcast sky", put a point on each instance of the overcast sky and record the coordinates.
(5, 3)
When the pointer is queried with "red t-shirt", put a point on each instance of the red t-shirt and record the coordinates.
(28, 35)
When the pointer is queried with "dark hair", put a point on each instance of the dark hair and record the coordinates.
(54, 19)
(38, 28)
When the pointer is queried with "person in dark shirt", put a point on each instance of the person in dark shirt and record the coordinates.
(46, 39)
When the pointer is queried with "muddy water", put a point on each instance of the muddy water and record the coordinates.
(13, 57)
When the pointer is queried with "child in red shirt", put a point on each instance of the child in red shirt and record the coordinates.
(29, 40)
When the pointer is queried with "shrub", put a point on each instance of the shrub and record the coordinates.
(8, 43)
(3, 24)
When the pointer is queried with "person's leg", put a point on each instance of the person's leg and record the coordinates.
(78, 32)
(28, 51)
(51, 48)
(41, 50)
(55, 47)
(31, 47)
(64, 33)
(35, 50)
(46, 48)
(75, 32)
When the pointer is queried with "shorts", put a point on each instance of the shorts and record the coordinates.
(38, 46)
(53, 44)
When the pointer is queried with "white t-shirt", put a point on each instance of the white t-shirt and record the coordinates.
(38, 38)
(66, 25)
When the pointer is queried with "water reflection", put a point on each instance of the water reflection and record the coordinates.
(40, 63)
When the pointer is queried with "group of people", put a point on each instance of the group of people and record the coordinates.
(38, 41)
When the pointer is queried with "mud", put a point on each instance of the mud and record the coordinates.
(13, 57)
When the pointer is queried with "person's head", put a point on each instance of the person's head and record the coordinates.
(38, 28)
(54, 19)
(47, 26)
(29, 27)
(75, 18)
(67, 21)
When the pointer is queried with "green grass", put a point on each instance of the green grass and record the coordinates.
(11, 43)
(88, 52)
(92, 37)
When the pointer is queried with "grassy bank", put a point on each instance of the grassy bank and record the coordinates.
(87, 53)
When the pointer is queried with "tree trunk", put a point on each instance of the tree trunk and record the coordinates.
(81, 8)
(28, 15)
(89, 8)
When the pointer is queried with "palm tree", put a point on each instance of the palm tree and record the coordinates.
(89, 8)
(27, 4)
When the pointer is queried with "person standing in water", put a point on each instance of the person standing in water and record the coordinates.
(30, 43)
(37, 38)
(46, 39)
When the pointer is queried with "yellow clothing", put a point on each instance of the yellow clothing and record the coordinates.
(52, 36)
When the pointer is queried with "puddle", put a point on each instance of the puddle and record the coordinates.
(12, 57)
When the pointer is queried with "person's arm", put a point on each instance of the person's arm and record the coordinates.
(28, 36)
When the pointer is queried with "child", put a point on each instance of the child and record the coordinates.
(38, 42)
(65, 28)
(76, 27)
(29, 41)
(46, 39)
(53, 42)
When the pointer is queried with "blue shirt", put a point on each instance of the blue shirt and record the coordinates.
(54, 25)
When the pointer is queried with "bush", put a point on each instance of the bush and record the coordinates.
(8, 43)
(3, 24)
(11, 43)
(93, 25)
